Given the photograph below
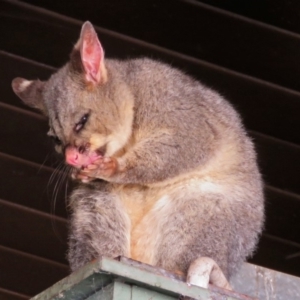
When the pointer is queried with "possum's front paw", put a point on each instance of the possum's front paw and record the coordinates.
(77, 175)
(102, 168)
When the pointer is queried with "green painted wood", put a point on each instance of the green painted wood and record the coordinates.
(105, 294)
(108, 278)
(139, 293)
(114, 291)
(122, 291)
(78, 286)
(83, 289)
(159, 283)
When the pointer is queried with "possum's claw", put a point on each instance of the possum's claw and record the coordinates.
(205, 270)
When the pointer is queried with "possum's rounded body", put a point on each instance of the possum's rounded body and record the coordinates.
(169, 172)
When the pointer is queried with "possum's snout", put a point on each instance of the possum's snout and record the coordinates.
(78, 158)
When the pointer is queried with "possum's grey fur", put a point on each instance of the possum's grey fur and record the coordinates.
(179, 177)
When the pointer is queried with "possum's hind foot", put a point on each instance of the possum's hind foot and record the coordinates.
(205, 270)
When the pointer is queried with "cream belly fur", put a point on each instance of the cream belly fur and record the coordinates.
(148, 209)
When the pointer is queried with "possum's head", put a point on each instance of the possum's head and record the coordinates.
(89, 105)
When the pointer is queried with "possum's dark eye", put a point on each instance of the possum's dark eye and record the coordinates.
(81, 123)
(56, 140)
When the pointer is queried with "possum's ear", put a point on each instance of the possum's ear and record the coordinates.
(30, 92)
(91, 55)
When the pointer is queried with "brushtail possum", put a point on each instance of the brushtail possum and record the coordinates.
(167, 172)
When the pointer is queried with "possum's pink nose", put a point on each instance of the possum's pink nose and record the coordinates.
(72, 156)
(77, 158)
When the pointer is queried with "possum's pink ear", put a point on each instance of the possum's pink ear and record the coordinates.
(92, 55)
(30, 92)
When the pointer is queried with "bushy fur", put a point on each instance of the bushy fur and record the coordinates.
(181, 179)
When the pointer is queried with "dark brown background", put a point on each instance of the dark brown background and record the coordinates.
(248, 50)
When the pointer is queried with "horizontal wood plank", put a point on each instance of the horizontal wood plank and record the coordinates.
(28, 274)
(33, 185)
(279, 162)
(282, 214)
(278, 254)
(280, 13)
(10, 295)
(33, 232)
(201, 31)
(24, 136)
